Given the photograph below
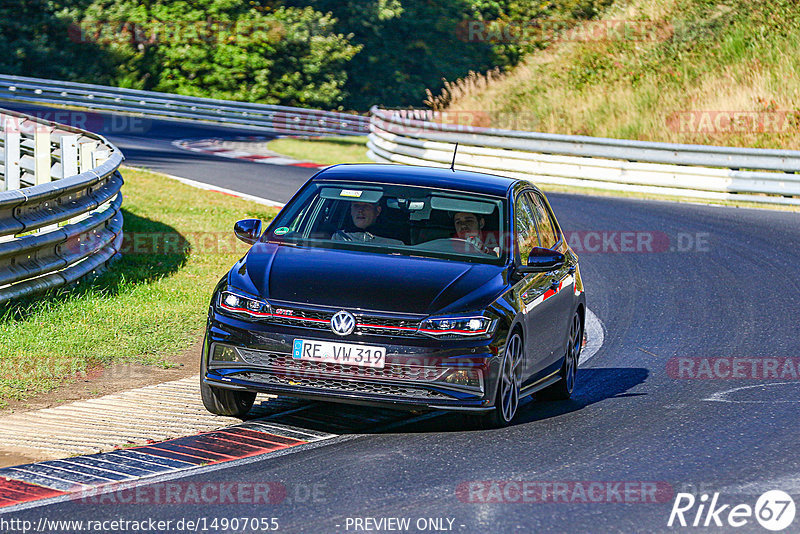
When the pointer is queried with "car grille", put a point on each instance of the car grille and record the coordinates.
(365, 324)
(392, 371)
(353, 386)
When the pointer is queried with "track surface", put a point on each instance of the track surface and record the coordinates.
(629, 420)
(146, 143)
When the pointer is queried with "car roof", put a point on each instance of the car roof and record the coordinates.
(413, 175)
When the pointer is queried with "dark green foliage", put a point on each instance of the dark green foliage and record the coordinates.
(35, 41)
(413, 45)
(224, 49)
(312, 53)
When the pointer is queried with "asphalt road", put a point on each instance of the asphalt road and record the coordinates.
(147, 143)
(735, 295)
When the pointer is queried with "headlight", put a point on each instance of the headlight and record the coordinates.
(453, 327)
(240, 305)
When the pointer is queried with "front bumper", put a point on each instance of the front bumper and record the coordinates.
(413, 377)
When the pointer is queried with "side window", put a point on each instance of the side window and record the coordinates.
(525, 223)
(547, 232)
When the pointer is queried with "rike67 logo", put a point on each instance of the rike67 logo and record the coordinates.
(774, 510)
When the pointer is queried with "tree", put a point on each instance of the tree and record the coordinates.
(408, 46)
(224, 49)
(35, 41)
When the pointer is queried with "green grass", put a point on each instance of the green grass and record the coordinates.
(145, 308)
(324, 150)
(704, 56)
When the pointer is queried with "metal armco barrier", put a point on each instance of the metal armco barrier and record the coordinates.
(419, 137)
(279, 119)
(60, 204)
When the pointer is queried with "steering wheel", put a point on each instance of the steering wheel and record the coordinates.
(470, 243)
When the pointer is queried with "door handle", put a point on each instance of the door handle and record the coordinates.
(571, 269)
(554, 283)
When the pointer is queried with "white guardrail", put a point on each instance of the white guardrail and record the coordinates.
(278, 119)
(417, 137)
(60, 204)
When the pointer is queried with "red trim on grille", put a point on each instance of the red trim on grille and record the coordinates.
(245, 310)
(301, 318)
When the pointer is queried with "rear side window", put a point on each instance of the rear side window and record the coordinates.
(547, 231)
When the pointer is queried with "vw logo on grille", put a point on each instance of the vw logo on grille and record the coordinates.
(343, 323)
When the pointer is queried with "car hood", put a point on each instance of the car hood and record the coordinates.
(367, 281)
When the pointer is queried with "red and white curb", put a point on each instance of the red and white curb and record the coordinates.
(157, 432)
(214, 146)
(138, 416)
(79, 476)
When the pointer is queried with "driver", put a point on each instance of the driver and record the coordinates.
(469, 227)
(364, 215)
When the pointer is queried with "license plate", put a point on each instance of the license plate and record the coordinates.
(342, 353)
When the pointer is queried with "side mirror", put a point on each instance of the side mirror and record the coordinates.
(543, 260)
(248, 230)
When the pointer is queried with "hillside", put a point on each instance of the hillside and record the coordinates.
(331, 54)
(690, 71)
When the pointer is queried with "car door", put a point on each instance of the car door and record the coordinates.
(538, 321)
(560, 293)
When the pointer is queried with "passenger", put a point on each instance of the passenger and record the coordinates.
(469, 227)
(364, 215)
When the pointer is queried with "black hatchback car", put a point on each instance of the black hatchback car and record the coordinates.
(399, 286)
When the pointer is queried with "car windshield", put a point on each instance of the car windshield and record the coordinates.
(394, 219)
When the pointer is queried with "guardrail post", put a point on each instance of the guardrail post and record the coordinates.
(36, 222)
(42, 154)
(99, 157)
(69, 155)
(86, 150)
(11, 171)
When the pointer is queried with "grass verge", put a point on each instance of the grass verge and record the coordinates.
(324, 150)
(686, 71)
(148, 306)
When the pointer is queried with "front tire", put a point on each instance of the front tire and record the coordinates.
(562, 390)
(508, 387)
(227, 402)
(221, 401)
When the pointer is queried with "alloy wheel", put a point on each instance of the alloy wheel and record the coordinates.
(573, 352)
(511, 378)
